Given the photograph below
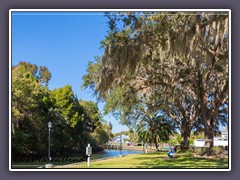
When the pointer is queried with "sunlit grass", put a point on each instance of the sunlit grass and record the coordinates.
(156, 160)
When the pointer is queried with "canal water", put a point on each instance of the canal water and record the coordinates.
(107, 153)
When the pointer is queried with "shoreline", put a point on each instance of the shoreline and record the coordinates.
(137, 148)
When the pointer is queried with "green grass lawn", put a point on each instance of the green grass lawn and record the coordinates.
(156, 160)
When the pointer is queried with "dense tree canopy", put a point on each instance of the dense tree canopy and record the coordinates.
(75, 122)
(171, 61)
(29, 100)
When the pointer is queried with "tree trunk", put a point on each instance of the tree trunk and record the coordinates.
(185, 140)
(185, 135)
(156, 143)
(206, 116)
(209, 135)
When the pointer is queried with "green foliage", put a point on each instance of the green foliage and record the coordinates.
(90, 79)
(67, 104)
(200, 151)
(75, 123)
(102, 134)
(216, 150)
(155, 128)
(175, 139)
(44, 75)
(28, 113)
(92, 115)
(133, 135)
(41, 73)
(199, 135)
(174, 61)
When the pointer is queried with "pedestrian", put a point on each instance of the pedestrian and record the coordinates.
(171, 151)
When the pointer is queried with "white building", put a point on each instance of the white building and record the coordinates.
(224, 133)
(217, 141)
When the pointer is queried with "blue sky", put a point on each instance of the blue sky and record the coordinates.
(64, 42)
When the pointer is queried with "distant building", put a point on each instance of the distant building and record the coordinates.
(116, 139)
(224, 133)
(218, 141)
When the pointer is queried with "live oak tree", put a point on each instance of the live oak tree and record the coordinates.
(197, 40)
(161, 92)
(129, 100)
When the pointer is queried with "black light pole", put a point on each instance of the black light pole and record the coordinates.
(49, 140)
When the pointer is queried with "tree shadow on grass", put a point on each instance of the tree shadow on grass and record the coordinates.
(184, 163)
(144, 158)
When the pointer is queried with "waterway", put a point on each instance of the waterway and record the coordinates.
(113, 153)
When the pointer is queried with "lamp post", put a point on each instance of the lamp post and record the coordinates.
(49, 144)
(49, 140)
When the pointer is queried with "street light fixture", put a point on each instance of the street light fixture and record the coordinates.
(49, 125)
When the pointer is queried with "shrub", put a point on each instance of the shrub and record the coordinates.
(199, 150)
(217, 150)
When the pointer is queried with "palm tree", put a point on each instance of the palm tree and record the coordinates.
(154, 128)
